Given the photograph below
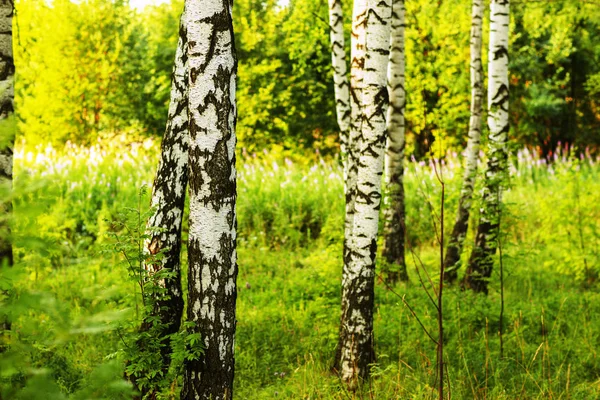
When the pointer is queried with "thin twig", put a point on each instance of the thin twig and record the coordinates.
(409, 307)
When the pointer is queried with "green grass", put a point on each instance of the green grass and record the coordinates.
(72, 304)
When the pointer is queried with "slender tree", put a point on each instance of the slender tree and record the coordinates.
(357, 59)
(340, 74)
(8, 130)
(486, 239)
(7, 120)
(355, 347)
(457, 239)
(394, 230)
(212, 181)
(168, 199)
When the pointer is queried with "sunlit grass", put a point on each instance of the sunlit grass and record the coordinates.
(74, 298)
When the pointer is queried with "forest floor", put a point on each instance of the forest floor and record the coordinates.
(73, 302)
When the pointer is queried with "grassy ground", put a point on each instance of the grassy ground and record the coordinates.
(73, 304)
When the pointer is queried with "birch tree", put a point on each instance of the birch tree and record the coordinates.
(212, 184)
(357, 59)
(355, 349)
(486, 240)
(340, 74)
(168, 199)
(394, 216)
(7, 130)
(455, 245)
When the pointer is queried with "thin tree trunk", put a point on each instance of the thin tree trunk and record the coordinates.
(168, 199)
(212, 239)
(486, 240)
(358, 282)
(8, 129)
(357, 60)
(394, 230)
(340, 74)
(457, 239)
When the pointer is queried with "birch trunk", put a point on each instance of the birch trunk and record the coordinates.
(394, 216)
(168, 199)
(357, 60)
(457, 239)
(356, 328)
(340, 73)
(212, 180)
(486, 240)
(8, 129)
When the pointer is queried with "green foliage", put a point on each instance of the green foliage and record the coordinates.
(554, 68)
(144, 340)
(91, 68)
(73, 307)
(81, 69)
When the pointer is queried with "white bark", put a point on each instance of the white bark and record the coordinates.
(168, 194)
(340, 73)
(356, 333)
(212, 237)
(481, 262)
(452, 261)
(357, 61)
(394, 231)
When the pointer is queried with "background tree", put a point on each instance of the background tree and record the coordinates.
(496, 175)
(212, 179)
(356, 332)
(394, 215)
(459, 232)
(7, 136)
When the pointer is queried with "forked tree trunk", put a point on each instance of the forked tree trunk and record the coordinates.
(8, 130)
(457, 239)
(212, 180)
(394, 216)
(168, 200)
(486, 240)
(356, 330)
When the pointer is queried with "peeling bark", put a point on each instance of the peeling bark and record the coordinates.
(355, 348)
(459, 232)
(486, 239)
(395, 216)
(212, 183)
(8, 128)
(168, 200)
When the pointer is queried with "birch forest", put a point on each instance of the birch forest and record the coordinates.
(299, 199)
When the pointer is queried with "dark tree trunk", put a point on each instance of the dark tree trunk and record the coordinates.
(8, 129)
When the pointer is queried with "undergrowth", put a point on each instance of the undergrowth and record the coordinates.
(73, 307)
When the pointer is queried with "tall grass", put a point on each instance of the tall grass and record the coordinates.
(71, 300)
